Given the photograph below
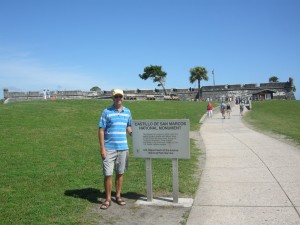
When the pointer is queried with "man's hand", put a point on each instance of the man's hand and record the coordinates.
(103, 153)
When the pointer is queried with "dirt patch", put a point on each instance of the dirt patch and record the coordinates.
(136, 215)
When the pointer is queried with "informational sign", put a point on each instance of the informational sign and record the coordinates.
(161, 138)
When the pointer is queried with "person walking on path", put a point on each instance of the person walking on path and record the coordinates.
(210, 110)
(114, 123)
(228, 109)
(222, 108)
(241, 108)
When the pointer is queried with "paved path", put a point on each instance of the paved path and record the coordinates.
(248, 177)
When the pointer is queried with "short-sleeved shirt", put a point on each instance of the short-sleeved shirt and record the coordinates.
(223, 106)
(115, 124)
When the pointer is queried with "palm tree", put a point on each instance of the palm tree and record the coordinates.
(198, 73)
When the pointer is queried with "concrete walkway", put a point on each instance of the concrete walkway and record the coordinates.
(248, 177)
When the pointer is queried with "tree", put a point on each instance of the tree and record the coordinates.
(273, 79)
(198, 73)
(156, 74)
(95, 89)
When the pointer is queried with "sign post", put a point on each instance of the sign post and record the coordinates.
(161, 139)
(149, 179)
(175, 180)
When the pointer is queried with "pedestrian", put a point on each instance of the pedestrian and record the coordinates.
(228, 109)
(45, 94)
(210, 110)
(114, 123)
(222, 109)
(48, 94)
(241, 108)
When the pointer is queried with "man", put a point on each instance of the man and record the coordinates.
(228, 109)
(115, 121)
(222, 108)
(241, 107)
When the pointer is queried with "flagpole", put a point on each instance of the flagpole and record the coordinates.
(213, 73)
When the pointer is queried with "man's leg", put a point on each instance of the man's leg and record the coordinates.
(120, 169)
(119, 182)
(108, 187)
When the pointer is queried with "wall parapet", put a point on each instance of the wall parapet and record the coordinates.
(282, 90)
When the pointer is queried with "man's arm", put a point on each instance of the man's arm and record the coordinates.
(101, 142)
(129, 130)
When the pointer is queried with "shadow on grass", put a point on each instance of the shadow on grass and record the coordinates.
(94, 195)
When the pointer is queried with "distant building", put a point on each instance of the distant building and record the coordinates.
(263, 91)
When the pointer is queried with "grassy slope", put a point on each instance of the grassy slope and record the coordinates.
(279, 117)
(50, 163)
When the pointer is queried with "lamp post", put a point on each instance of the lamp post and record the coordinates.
(213, 73)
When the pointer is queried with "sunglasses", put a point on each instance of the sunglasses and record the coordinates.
(118, 96)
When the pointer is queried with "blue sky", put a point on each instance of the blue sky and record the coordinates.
(79, 44)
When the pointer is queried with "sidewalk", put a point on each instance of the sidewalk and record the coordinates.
(248, 177)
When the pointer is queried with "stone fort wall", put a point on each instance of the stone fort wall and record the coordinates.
(282, 90)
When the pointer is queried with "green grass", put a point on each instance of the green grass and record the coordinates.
(279, 117)
(50, 163)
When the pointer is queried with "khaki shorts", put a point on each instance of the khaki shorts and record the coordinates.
(115, 160)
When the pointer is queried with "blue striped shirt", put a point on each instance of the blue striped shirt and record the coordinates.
(115, 124)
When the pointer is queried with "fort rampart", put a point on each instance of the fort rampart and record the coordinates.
(279, 90)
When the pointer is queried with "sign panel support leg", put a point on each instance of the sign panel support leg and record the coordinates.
(149, 179)
(175, 180)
